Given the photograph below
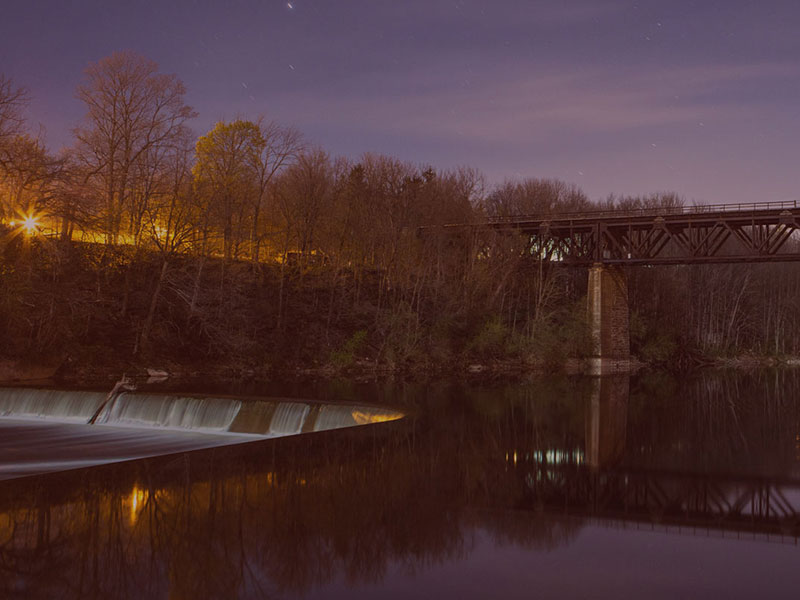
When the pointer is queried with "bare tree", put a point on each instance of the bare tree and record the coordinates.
(277, 148)
(132, 112)
(29, 175)
(69, 204)
(13, 101)
(171, 218)
(535, 196)
(304, 194)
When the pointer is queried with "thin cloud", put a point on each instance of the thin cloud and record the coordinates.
(516, 106)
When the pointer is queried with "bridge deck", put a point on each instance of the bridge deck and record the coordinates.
(675, 214)
(724, 233)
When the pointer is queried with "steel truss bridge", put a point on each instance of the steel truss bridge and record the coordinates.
(721, 233)
(755, 506)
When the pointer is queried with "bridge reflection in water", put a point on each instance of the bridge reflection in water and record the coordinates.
(529, 466)
(597, 485)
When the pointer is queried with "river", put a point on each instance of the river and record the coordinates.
(561, 487)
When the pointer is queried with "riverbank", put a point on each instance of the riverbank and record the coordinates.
(82, 312)
(74, 373)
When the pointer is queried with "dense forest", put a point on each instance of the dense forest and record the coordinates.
(250, 249)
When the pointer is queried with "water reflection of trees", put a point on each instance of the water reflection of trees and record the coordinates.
(271, 519)
(517, 528)
(717, 421)
(289, 515)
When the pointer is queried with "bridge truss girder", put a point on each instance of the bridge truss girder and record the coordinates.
(714, 502)
(720, 236)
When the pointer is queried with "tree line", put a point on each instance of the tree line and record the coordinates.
(252, 244)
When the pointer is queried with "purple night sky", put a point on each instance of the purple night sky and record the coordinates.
(626, 97)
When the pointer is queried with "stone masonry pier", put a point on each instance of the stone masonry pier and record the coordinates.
(607, 303)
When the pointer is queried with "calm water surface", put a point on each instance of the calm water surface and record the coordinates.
(559, 488)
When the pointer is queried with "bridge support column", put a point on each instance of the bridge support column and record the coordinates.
(607, 300)
(607, 420)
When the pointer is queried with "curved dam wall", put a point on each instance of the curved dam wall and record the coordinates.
(269, 418)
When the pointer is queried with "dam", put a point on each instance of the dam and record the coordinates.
(43, 430)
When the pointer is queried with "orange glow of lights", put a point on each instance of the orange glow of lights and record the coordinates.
(29, 224)
(138, 498)
(362, 417)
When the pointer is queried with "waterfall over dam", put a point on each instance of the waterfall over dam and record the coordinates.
(270, 418)
(47, 430)
(56, 405)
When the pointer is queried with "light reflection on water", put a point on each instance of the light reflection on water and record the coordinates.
(559, 488)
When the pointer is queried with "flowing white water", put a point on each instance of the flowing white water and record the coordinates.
(184, 413)
(334, 417)
(126, 410)
(65, 407)
(289, 418)
(48, 430)
(171, 412)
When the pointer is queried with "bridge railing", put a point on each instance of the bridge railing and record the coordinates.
(658, 211)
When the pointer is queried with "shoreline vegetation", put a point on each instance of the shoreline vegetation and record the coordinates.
(74, 313)
(248, 251)
(26, 373)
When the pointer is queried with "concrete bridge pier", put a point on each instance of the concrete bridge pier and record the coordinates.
(607, 300)
(607, 421)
